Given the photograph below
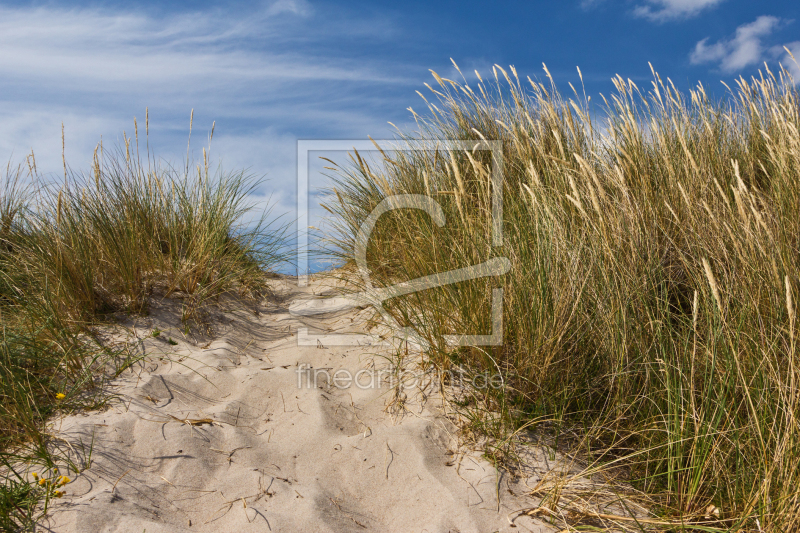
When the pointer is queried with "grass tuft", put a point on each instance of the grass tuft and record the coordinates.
(104, 242)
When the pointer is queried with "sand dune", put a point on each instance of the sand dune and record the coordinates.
(214, 434)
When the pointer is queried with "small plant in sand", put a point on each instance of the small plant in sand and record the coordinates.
(51, 486)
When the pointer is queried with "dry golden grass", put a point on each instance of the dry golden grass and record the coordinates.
(652, 299)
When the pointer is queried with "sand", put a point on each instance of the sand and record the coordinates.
(214, 434)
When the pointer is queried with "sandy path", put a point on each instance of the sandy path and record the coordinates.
(264, 455)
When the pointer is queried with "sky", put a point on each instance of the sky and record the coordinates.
(273, 72)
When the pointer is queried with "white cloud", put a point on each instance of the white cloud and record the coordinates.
(663, 10)
(744, 49)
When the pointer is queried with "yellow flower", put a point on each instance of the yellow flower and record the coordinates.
(63, 480)
(58, 494)
(42, 481)
(35, 475)
(61, 396)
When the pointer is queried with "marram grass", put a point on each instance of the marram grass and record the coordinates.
(73, 253)
(651, 308)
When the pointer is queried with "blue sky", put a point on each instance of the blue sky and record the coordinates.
(275, 71)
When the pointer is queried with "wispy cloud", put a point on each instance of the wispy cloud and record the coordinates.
(94, 69)
(83, 47)
(298, 7)
(745, 48)
(664, 10)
